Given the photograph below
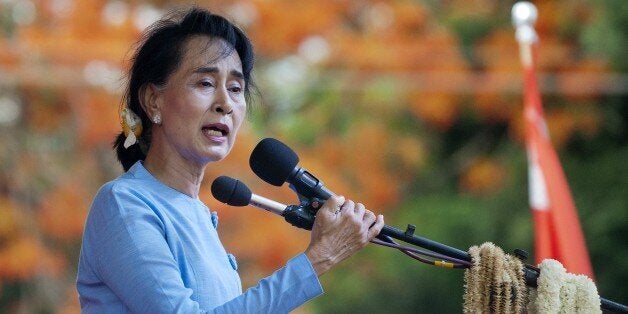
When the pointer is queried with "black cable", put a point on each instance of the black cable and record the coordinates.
(444, 261)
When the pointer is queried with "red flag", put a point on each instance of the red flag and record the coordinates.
(557, 230)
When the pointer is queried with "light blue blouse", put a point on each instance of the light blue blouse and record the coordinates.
(148, 248)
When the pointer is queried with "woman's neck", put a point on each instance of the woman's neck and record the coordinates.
(176, 173)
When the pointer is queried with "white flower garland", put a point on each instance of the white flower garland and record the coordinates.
(562, 292)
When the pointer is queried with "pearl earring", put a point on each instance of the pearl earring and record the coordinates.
(157, 118)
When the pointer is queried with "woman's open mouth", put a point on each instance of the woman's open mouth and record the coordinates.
(216, 129)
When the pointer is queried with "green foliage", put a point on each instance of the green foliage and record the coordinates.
(598, 181)
(607, 36)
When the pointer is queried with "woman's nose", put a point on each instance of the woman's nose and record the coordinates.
(222, 103)
(224, 108)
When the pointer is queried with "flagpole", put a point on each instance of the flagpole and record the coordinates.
(558, 234)
(547, 191)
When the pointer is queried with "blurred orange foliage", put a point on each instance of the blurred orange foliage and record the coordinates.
(388, 63)
(439, 110)
(63, 211)
(484, 177)
(25, 257)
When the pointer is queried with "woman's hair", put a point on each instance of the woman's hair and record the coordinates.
(159, 54)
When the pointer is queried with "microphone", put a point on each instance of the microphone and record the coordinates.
(276, 163)
(235, 193)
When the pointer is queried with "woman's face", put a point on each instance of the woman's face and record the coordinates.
(202, 104)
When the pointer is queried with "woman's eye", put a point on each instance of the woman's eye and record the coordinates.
(235, 89)
(206, 84)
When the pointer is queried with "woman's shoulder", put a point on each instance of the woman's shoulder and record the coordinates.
(128, 189)
(123, 191)
(122, 200)
(121, 186)
(134, 180)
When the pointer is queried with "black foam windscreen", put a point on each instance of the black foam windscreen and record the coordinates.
(273, 161)
(231, 191)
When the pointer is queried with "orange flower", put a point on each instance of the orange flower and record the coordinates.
(11, 218)
(63, 211)
(19, 259)
(484, 176)
(439, 110)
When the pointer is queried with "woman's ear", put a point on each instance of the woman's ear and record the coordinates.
(149, 96)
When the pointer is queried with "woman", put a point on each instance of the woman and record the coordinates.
(150, 245)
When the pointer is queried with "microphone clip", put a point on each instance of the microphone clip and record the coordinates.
(302, 215)
(311, 194)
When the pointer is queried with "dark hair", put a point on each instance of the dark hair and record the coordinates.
(159, 54)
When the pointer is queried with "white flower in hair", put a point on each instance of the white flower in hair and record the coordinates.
(131, 126)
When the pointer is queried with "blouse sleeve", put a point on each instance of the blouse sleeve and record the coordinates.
(282, 292)
(124, 245)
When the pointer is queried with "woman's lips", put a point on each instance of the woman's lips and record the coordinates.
(216, 132)
(218, 127)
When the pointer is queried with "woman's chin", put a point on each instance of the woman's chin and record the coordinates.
(216, 154)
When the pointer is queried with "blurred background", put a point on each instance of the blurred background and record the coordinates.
(412, 107)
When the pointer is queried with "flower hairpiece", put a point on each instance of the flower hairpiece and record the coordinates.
(131, 126)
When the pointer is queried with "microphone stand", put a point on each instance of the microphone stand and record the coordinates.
(302, 216)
